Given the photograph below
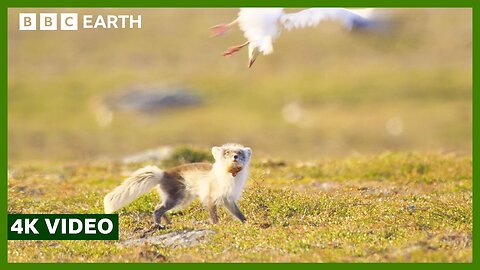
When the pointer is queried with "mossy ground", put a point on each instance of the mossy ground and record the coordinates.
(407, 207)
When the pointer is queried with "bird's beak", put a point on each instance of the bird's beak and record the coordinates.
(250, 62)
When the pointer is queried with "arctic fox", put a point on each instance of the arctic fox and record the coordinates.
(215, 184)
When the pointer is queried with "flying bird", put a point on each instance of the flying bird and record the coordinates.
(262, 26)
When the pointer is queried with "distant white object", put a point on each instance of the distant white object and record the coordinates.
(293, 112)
(261, 26)
(394, 126)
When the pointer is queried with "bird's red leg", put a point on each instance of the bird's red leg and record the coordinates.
(221, 29)
(235, 49)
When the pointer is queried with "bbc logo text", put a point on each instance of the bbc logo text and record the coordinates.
(73, 22)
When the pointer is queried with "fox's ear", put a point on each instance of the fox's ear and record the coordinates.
(248, 152)
(217, 152)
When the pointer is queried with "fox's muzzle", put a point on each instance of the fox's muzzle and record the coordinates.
(234, 168)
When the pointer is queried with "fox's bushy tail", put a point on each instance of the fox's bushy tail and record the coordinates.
(141, 182)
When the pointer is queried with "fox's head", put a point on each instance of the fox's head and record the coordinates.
(233, 157)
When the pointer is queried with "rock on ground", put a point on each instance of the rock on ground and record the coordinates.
(151, 155)
(185, 238)
(147, 99)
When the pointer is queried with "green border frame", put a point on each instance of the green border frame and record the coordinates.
(4, 5)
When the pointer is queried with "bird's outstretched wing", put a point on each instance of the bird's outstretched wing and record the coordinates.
(313, 16)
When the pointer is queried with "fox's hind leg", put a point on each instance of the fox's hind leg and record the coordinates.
(159, 214)
(172, 193)
(161, 210)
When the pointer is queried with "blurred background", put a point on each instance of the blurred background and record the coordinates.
(108, 93)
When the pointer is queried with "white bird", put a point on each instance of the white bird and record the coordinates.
(261, 26)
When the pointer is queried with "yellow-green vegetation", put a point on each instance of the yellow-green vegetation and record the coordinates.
(396, 206)
(350, 89)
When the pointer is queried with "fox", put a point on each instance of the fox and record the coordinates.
(217, 184)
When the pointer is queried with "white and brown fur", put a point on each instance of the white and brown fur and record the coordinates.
(220, 183)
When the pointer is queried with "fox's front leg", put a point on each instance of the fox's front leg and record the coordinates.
(233, 208)
(212, 208)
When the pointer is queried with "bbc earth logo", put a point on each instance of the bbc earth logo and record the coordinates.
(72, 21)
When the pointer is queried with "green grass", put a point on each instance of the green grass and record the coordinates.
(392, 207)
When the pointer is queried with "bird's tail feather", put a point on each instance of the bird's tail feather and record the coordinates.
(142, 181)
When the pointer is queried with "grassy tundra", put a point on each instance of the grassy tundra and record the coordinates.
(361, 142)
(387, 207)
